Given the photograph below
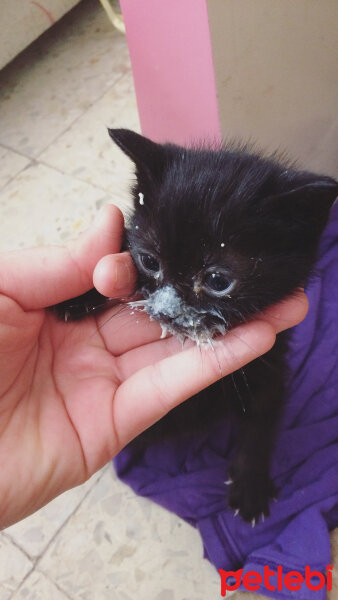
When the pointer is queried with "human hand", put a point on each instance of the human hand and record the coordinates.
(73, 394)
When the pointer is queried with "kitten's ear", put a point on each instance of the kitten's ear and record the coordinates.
(147, 155)
(307, 204)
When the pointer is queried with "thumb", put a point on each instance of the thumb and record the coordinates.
(39, 277)
(115, 275)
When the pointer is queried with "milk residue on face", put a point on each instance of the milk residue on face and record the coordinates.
(176, 317)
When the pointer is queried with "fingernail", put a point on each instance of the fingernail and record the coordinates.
(123, 275)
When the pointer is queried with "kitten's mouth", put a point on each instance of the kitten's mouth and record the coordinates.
(180, 319)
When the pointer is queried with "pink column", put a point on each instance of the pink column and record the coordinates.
(170, 50)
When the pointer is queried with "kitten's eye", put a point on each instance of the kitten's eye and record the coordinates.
(150, 264)
(218, 283)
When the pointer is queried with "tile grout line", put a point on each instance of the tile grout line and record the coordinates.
(14, 542)
(106, 192)
(12, 177)
(64, 592)
(32, 570)
(61, 133)
(35, 162)
(40, 556)
(6, 147)
(80, 116)
(16, 545)
(21, 582)
(84, 112)
(93, 185)
(35, 561)
(64, 524)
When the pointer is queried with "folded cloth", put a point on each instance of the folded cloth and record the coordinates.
(187, 477)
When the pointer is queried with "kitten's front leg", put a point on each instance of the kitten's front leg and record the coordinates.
(251, 487)
(75, 309)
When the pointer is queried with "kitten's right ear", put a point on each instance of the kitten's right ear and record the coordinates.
(306, 208)
(146, 154)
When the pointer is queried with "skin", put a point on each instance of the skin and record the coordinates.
(72, 395)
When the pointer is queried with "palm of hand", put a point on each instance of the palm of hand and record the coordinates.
(57, 418)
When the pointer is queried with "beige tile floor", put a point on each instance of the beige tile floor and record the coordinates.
(58, 166)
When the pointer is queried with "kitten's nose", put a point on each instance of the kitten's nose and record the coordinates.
(165, 302)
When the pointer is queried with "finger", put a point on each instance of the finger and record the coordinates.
(39, 277)
(139, 331)
(115, 276)
(287, 313)
(123, 329)
(140, 342)
(148, 394)
(148, 354)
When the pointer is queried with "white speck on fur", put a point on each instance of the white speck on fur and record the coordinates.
(141, 198)
(136, 227)
(222, 245)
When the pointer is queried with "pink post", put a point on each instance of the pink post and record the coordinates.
(171, 55)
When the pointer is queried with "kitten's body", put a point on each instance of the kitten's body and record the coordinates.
(216, 237)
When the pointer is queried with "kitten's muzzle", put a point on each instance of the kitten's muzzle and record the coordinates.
(165, 304)
(177, 317)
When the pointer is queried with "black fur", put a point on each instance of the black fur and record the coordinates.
(226, 215)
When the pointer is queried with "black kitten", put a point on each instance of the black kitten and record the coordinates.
(217, 236)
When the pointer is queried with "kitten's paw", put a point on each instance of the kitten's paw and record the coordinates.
(78, 308)
(69, 311)
(250, 494)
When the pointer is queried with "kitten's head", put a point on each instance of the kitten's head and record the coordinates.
(218, 235)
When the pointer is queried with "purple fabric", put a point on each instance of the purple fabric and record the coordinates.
(189, 478)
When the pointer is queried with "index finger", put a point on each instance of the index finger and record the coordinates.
(141, 342)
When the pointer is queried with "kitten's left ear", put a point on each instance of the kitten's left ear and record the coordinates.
(305, 204)
(147, 155)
